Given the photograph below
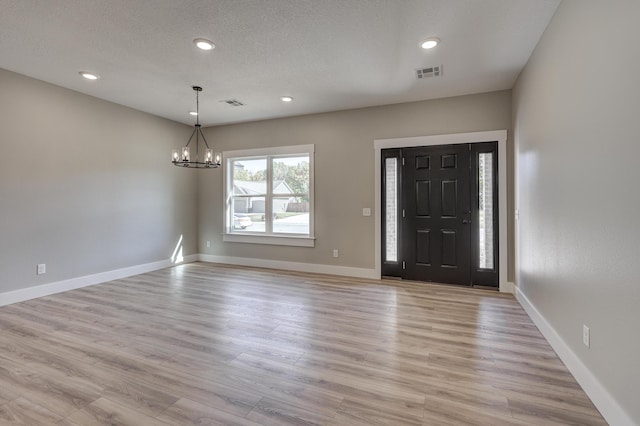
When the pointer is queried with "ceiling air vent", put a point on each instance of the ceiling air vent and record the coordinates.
(429, 72)
(233, 102)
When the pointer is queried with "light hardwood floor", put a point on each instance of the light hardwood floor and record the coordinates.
(211, 344)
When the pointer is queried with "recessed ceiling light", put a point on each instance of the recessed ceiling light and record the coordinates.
(204, 44)
(286, 99)
(193, 113)
(89, 76)
(430, 43)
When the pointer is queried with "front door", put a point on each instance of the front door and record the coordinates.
(436, 198)
(440, 214)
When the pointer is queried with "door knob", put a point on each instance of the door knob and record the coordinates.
(465, 221)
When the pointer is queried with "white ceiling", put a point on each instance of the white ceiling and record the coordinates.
(328, 54)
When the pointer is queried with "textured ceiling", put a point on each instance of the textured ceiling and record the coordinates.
(328, 54)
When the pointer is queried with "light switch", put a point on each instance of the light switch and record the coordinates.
(366, 211)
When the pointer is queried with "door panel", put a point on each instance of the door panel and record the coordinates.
(449, 246)
(422, 162)
(448, 161)
(449, 200)
(437, 234)
(423, 242)
(423, 198)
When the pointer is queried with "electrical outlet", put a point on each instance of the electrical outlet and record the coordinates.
(335, 253)
(208, 243)
(42, 269)
(586, 338)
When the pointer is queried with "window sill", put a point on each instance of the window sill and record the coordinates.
(275, 240)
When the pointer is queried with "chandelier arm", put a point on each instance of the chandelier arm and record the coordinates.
(197, 140)
(202, 134)
(192, 133)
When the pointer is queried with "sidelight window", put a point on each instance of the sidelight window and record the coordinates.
(485, 210)
(391, 209)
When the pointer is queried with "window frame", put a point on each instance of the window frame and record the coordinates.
(229, 235)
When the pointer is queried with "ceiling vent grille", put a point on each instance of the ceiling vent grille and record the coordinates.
(429, 72)
(233, 102)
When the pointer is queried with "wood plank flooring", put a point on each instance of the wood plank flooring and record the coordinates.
(208, 344)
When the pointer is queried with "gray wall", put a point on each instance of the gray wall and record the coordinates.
(577, 127)
(344, 170)
(86, 186)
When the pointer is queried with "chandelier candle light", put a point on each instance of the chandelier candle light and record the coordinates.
(182, 157)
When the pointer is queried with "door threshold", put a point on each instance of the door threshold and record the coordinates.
(384, 277)
(479, 287)
(486, 287)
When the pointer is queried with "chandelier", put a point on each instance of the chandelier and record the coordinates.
(182, 157)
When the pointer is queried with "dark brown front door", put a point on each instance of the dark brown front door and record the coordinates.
(437, 214)
(440, 213)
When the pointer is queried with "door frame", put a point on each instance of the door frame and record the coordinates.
(449, 139)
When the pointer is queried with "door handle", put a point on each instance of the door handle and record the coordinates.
(465, 221)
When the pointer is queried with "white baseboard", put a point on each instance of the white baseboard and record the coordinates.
(292, 266)
(612, 412)
(29, 293)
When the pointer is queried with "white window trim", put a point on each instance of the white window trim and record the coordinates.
(273, 239)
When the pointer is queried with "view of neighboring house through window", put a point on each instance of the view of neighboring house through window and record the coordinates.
(269, 192)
